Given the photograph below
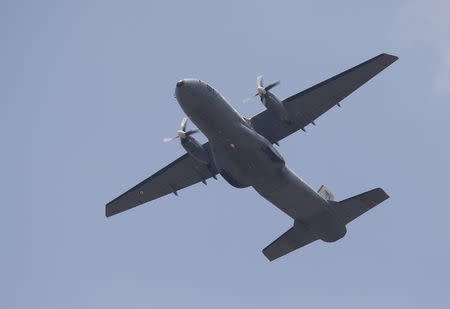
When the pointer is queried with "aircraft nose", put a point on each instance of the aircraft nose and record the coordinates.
(187, 88)
(180, 83)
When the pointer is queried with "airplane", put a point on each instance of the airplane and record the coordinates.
(242, 151)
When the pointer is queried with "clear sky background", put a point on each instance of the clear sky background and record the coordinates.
(86, 96)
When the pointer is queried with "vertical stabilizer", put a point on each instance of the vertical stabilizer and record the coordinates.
(325, 193)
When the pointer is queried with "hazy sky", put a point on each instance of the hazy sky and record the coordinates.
(86, 94)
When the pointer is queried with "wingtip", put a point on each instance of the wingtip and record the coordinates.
(267, 255)
(382, 194)
(109, 210)
(107, 214)
(390, 57)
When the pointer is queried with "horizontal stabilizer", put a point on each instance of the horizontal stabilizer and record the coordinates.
(296, 237)
(355, 206)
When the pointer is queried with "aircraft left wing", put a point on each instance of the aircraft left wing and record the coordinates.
(306, 106)
(179, 174)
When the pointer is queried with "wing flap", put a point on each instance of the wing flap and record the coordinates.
(306, 106)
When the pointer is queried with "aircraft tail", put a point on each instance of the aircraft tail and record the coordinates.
(347, 210)
(353, 207)
(295, 238)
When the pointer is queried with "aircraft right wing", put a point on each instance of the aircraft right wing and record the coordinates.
(179, 174)
(308, 105)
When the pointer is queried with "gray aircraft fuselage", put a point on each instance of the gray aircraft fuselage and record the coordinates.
(245, 158)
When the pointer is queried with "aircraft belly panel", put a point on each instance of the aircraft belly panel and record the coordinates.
(245, 167)
(246, 159)
(290, 194)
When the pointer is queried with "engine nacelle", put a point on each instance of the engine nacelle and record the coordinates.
(272, 103)
(195, 149)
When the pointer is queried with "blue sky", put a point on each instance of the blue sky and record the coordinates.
(87, 96)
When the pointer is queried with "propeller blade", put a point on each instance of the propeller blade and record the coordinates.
(191, 132)
(181, 134)
(168, 139)
(183, 124)
(272, 85)
(259, 81)
(263, 100)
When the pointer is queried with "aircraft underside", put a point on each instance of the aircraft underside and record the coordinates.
(243, 152)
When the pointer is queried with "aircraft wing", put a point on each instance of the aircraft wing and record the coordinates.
(179, 174)
(308, 105)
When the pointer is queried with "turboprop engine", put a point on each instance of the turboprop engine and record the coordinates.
(270, 101)
(190, 144)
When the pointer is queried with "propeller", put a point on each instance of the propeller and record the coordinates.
(181, 133)
(261, 89)
(260, 86)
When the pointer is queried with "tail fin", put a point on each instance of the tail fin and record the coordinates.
(353, 207)
(325, 193)
(299, 235)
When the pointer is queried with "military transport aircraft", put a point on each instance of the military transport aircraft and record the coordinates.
(241, 150)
